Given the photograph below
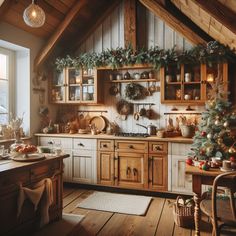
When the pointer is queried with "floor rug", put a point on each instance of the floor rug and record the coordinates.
(119, 203)
(62, 227)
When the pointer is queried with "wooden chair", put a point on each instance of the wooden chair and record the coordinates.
(221, 210)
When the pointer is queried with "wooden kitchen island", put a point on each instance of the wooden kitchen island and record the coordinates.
(13, 173)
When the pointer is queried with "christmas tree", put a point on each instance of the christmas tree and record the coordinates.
(214, 137)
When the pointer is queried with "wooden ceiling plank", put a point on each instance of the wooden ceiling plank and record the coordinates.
(219, 11)
(94, 25)
(58, 34)
(159, 10)
(60, 6)
(130, 25)
(5, 7)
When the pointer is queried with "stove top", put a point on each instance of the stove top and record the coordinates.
(123, 134)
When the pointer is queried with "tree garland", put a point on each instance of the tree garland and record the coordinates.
(213, 52)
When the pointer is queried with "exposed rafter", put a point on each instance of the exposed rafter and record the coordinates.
(176, 20)
(130, 27)
(220, 12)
(58, 33)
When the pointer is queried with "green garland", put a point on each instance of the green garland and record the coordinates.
(213, 52)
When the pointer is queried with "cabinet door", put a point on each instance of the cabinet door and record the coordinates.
(57, 91)
(105, 168)
(84, 166)
(180, 182)
(131, 170)
(158, 172)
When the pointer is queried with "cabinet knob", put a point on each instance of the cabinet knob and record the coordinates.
(104, 145)
(130, 146)
(50, 142)
(128, 170)
(135, 171)
(81, 144)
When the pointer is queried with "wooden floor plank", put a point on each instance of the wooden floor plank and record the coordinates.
(180, 231)
(68, 190)
(166, 223)
(71, 197)
(121, 224)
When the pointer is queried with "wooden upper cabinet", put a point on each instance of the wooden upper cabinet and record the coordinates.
(75, 86)
(191, 84)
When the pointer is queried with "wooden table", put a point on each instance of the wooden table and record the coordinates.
(200, 177)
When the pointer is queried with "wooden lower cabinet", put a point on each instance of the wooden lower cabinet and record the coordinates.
(158, 172)
(133, 164)
(131, 170)
(105, 167)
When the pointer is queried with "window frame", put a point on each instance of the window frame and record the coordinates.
(11, 67)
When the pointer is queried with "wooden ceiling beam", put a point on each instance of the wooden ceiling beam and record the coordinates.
(82, 36)
(220, 12)
(176, 20)
(130, 23)
(44, 53)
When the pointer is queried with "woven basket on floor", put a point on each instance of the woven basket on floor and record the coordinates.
(183, 214)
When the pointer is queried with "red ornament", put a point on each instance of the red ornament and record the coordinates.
(232, 159)
(202, 152)
(203, 133)
(189, 161)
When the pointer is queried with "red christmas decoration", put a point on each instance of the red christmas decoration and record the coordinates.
(203, 133)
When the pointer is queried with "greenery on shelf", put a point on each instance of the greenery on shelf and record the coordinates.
(213, 52)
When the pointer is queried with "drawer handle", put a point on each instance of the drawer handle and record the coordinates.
(104, 145)
(50, 142)
(135, 171)
(130, 146)
(158, 148)
(128, 170)
(81, 144)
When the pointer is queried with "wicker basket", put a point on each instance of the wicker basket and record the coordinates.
(183, 214)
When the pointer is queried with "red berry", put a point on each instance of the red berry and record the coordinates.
(189, 161)
(203, 133)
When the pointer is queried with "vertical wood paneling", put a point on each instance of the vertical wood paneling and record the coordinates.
(150, 29)
(121, 24)
(106, 33)
(97, 39)
(159, 32)
(115, 29)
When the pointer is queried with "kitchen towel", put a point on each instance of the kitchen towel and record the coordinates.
(120, 203)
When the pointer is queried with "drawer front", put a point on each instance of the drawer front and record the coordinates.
(84, 144)
(10, 182)
(44, 171)
(158, 147)
(105, 145)
(132, 146)
(65, 143)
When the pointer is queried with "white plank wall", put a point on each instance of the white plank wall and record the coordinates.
(110, 34)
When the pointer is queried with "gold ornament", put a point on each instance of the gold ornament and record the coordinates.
(219, 140)
(226, 124)
(217, 122)
(232, 150)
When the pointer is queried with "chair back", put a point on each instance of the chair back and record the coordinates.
(227, 180)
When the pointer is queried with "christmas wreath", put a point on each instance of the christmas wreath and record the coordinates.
(134, 91)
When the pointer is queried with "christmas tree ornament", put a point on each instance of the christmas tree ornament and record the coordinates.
(209, 136)
(232, 150)
(217, 122)
(203, 133)
(219, 140)
(226, 124)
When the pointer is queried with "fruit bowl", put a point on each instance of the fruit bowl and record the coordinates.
(25, 149)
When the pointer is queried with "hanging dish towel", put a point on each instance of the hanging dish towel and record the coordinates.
(41, 190)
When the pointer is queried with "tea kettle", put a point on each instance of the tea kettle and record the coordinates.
(151, 129)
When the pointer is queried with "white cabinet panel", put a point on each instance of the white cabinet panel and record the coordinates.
(84, 167)
(66, 143)
(84, 144)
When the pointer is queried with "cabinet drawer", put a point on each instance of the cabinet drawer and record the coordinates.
(9, 182)
(105, 145)
(157, 147)
(84, 144)
(44, 171)
(66, 143)
(132, 146)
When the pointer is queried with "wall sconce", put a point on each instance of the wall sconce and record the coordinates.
(210, 78)
(34, 16)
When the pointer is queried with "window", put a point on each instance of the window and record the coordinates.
(6, 84)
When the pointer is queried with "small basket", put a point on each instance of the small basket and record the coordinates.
(183, 214)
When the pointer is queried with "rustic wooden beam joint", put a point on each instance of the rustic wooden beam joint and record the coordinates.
(130, 25)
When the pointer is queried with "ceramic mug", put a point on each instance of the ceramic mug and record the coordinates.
(187, 77)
